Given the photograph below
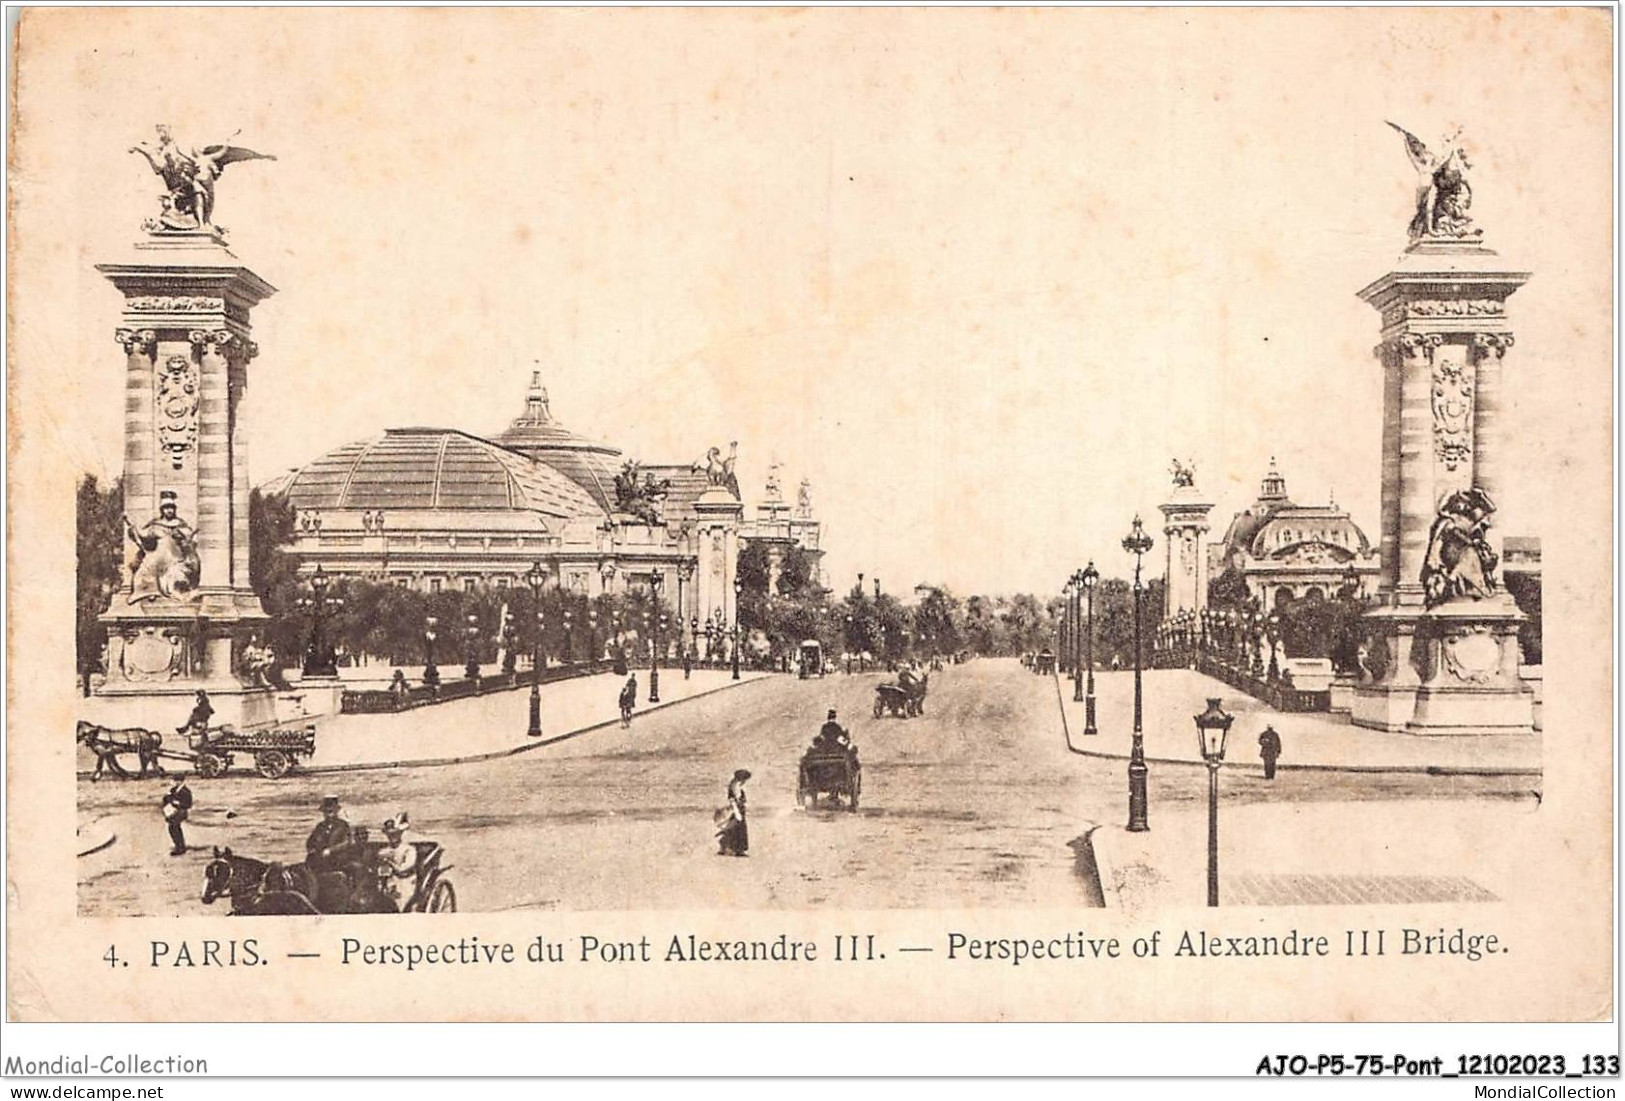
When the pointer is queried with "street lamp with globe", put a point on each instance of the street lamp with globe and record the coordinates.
(535, 577)
(431, 672)
(1089, 578)
(739, 587)
(471, 669)
(1212, 727)
(1137, 543)
(320, 660)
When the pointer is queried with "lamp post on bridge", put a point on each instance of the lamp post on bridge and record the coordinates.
(1089, 578)
(431, 672)
(655, 581)
(1137, 543)
(535, 577)
(739, 587)
(1212, 727)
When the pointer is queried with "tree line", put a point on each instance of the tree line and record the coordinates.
(778, 609)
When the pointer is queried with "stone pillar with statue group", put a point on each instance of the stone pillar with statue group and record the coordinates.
(1441, 652)
(185, 613)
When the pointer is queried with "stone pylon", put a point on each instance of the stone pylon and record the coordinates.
(1442, 651)
(186, 604)
(1185, 527)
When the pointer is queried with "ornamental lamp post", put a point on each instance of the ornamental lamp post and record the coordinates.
(1063, 636)
(849, 645)
(568, 656)
(431, 673)
(655, 581)
(1137, 543)
(320, 661)
(1212, 727)
(592, 634)
(739, 587)
(535, 577)
(1089, 579)
(471, 668)
(694, 635)
(1076, 655)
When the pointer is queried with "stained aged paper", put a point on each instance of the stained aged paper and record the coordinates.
(803, 361)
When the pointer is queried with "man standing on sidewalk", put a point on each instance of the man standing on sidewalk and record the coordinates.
(175, 806)
(1269, 748)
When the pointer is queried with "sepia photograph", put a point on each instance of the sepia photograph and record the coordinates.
(816, 514)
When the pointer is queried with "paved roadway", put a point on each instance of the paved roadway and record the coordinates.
(977, 804)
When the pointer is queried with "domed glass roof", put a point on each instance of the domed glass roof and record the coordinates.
(435, 468)
(588, 463)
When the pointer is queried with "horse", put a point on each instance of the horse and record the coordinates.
(108, 744)
(259, 887)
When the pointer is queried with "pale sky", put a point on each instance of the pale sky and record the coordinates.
(979, 276)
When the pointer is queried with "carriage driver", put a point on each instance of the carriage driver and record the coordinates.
(326, 849)
(397, 862)
(832, 735)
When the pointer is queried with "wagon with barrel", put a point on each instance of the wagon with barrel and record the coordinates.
(274, 752)
(135, 752)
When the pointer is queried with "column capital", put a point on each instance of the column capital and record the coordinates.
(1419, 346)
(1486, 345)
(137, 341)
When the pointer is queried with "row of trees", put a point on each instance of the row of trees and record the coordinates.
(777, 609)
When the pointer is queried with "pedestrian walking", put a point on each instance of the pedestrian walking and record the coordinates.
(688, 663)
(1269, 748)
(733, 836)
(176, 806)
(629, 700)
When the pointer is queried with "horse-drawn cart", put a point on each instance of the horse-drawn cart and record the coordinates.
(833, 772)
(135, 752)
(275, 752)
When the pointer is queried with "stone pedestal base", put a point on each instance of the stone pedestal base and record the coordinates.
(160, 653)
(167, 707)
(1342, 694)
(1449, 670)
(319, 695)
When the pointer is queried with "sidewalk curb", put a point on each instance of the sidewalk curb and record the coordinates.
(526, 746)
(1429, 770)
(1105, 868)
(512, 751)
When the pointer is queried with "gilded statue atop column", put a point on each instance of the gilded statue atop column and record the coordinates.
(1443, 195)
(189, 177)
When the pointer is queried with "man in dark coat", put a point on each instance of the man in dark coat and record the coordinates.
(326, 849)
(1269, 748)
(832, 735)
(175, 806)
(198, 721)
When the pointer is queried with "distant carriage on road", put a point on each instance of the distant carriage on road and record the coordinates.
(832, 772)
(259, 888)
(905, 699)
(1044, 662)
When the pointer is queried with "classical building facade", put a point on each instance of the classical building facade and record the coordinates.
(780, 526)
(441, 509)
(1286, 551)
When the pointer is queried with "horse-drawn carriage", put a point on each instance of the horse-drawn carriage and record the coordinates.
(904, 699)
(135, 752)
(830, 771)
(257, 887)
(1044, 662)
